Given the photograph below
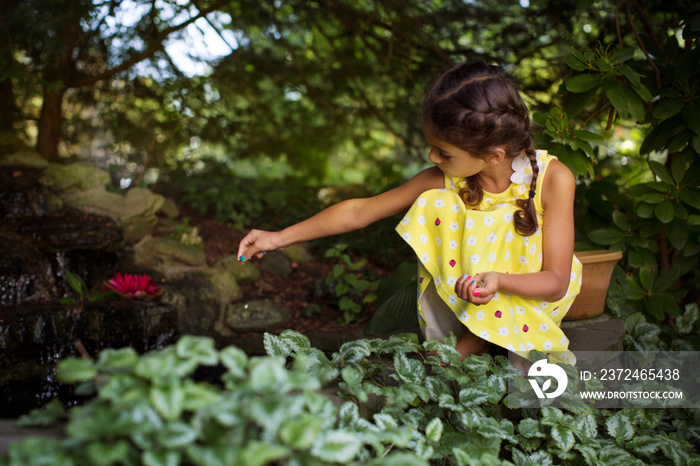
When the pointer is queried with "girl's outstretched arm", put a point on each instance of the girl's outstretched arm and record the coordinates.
(342, 217)
(557, 248)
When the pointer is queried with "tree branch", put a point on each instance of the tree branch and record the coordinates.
(146, 53)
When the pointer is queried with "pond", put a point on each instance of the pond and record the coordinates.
(39, 242)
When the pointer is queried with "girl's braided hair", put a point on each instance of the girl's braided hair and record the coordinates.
(477, 108)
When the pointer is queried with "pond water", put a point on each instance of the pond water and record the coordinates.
(39, 242)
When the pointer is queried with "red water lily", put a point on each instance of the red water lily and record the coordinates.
(132, 286)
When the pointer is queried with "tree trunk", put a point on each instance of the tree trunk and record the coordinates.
(8, 108)
(50, 123)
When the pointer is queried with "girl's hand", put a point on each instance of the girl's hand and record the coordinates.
(256, 243)
(478, 289)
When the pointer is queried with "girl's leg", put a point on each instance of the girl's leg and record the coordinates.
(469, 344)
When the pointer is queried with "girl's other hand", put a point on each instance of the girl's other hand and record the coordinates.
(256, 243)
(478, 289)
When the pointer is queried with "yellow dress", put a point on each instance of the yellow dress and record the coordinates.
(451, 239)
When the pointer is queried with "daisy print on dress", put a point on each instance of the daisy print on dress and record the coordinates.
(407, 237)
(488, 220)
(454, 226)
(480, 315)
(421, 220)
(474, 259)
(405, 220)
(439, 204)
(423, 239)
(424, 258)
(471, 241)
(452, 300)
(422, 202)
(469, 224)
(485, 335)
(454, 245)
(547, 345)
(544, 327)
(491, 238)
(455, 208)
(509, 237)
(503, 331)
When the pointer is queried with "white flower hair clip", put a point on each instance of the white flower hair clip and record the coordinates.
(522, 170)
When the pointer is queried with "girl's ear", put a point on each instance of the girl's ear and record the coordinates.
(496, 156)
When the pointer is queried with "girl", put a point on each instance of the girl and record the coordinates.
(491, 222)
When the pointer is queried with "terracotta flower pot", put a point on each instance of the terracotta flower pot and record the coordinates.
(597, 270)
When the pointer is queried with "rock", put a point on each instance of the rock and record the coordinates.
(255, 316)
(15, 153)
(224, 284)
(168, 256)
(297, 253)
(245, 272)
(170, 209)
(200, 298)
(75, 176)
(277, 263)
(135, 211)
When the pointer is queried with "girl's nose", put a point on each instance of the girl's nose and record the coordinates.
(433, 156)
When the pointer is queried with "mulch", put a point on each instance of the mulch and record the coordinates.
(295, 292)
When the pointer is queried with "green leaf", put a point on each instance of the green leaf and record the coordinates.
(691, 116)
(620, 220)
(645, 210)
(645, 445)
(161, 458)
(176, 435)
(276, 346)
(259, 453)
(686, 322)
(76, 283)
(531, 428)
(659, 306)
(588, 136)
(635, 104)
(167, 401)
(577, 102)
(692, 198)
(617, 96)
(661, 171)
(433, 430)
(664, 211)
(473, 396)
(117, 360)
(563, 437)
(575, 64)
(582, 82)
(199, 349)
(341, 288)
(396, 313)
(236, 361)
(301, 432)
(336, 446)
(646, 278)
(678, 234)
(668, 108)
(106, 454)
(620, 426)
(606, 236)
(75, 370)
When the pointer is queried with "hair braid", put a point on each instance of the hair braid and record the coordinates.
(525, 219)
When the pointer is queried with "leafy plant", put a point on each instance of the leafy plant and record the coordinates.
(187, 235)
(647, 83)
(388, 401)
(348, 285)
(78, 285)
